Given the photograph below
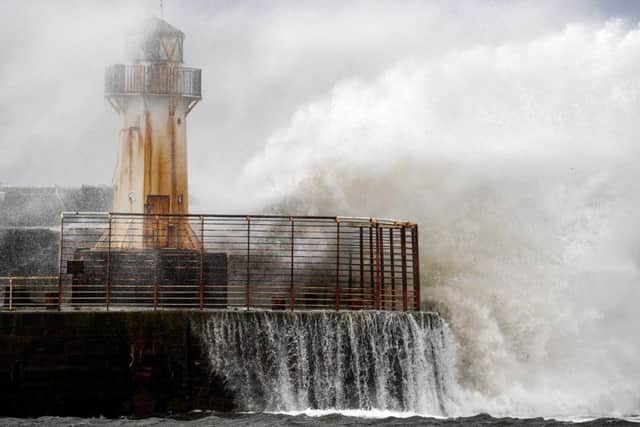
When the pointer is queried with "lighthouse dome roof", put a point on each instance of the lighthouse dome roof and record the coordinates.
(156, 41)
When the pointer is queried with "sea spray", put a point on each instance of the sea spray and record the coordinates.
(291, 361)
(519, 162)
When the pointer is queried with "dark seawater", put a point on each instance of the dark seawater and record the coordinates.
(305, 420)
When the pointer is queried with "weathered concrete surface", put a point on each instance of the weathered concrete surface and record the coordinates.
(111, 364)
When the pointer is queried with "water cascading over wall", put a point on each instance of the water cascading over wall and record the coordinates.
(291, 361)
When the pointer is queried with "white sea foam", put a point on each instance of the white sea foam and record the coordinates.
(357, 413)
(381, 414)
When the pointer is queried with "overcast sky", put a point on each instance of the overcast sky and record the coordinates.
(262, 62)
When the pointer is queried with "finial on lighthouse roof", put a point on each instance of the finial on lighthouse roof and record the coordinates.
(157, 41)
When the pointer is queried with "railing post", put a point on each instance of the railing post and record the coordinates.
(337, 264)
(377, 266)
(403, 254)
(371, 266)
(60, 263)
(248, 287)
(393, 269)
(416, 267)
(157, 233)
(350, 278)
(361, 293)
(201, 262)
(108, 284)
(10, 293)
(292, 295)
(156, 273)
(383, 298)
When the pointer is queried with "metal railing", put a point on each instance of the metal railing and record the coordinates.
(28, 292)
(114, 261)
(153, 79)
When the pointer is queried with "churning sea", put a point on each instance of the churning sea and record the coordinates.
(317, 418)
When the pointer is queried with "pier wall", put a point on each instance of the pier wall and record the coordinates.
(99, 363)
(146, 363)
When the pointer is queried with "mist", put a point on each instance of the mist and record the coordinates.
(507, 130)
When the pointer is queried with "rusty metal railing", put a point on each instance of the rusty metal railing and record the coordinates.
(114, 261)
(28, 292)
(153, 79)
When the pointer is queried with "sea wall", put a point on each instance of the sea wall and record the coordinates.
(144, 363)
(98, 363)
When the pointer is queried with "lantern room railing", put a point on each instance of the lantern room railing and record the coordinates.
(153, 79)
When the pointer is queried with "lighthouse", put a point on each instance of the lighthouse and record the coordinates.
(149, 248)
(153, 94)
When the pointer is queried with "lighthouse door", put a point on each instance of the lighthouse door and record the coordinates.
(157, 230)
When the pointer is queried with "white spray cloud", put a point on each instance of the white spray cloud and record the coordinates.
(519, 162)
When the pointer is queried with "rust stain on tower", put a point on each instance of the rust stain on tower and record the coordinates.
(153, 94)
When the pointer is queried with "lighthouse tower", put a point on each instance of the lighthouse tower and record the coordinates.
(153, 94)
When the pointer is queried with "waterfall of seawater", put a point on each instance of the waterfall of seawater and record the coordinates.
(283, 361)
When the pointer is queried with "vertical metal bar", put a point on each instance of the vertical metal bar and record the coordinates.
(383, 299)
(337, 264)
(248, 287)
(292, 295)
(361, 293)
(403, 254)
(416, 267)
(201, 262)
(60, 263)
(377, 267)
(157, 233)
(393, 269)
(156, 271)
(350, 278)
(371, 267)
(108, 284)
(10, 293)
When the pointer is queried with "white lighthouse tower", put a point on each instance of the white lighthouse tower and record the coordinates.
(153, 94)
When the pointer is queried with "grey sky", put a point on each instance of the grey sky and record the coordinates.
(262, 61)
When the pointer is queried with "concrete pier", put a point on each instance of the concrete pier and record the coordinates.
(111, 364)
(146, 363)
